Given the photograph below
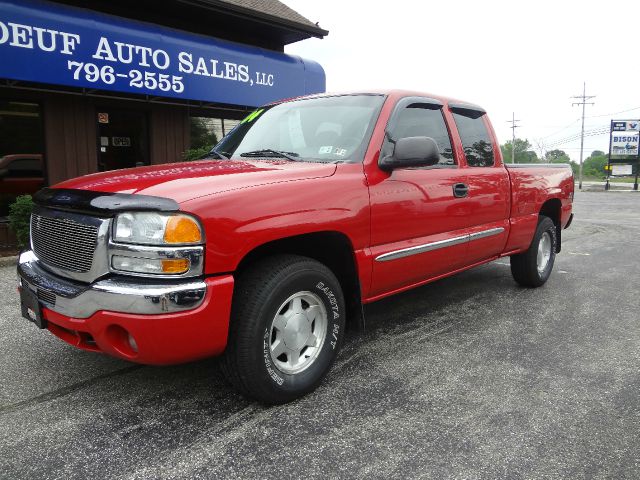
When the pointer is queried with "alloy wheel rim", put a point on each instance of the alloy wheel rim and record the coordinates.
(298, 332)
(544, 252)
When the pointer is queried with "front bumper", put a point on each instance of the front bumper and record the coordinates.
(118, 294)
(152, 322)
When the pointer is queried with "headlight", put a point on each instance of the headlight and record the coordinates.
(150, 228)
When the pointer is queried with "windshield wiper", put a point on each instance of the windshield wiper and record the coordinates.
(268, 152)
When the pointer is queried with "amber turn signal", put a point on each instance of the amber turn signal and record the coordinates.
(175, 265)
(182, 229)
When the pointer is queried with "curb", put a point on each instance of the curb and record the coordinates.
(9, 261)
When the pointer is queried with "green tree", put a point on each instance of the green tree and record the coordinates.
(593, 166)
(523, 152)
(19, 218)
(202, 139)
(556, 156)
(201, 135)
(560, 156)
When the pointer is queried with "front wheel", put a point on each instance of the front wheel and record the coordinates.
(287, 326)
(533, 267)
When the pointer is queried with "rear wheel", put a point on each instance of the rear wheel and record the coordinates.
(533, 267)
(287, 326)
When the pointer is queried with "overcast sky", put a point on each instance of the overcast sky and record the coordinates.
(505, 56)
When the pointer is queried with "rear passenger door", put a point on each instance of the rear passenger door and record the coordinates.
(418, 225)
(488, 184)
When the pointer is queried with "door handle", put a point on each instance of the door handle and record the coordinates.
(460, 190)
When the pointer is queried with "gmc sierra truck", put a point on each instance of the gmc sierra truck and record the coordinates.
(263, 251)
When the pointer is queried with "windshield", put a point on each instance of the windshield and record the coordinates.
(325, 129)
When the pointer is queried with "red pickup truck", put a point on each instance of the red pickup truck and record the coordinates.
(266, 249)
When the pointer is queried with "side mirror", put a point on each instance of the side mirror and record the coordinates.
(412, 152)
(3, 172)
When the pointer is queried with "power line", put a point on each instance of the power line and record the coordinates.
(513, 136)
(576, 136)
(614, 113)
(573, 137)
(584, 103)
(561, 130)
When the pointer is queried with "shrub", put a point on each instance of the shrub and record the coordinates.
(197, 153)
(19, 216)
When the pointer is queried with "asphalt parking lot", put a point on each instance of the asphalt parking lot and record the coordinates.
(470, 377)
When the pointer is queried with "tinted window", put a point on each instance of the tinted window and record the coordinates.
(421, 120)
(478, 147)
(25, 167)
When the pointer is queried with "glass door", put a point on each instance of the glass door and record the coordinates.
(123, 139)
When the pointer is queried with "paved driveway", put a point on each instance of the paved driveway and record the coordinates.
(470, 377)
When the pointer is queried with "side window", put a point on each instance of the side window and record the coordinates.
(421, 120)
(25, 167)
(477, 144)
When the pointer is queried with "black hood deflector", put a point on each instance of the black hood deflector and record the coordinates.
(102, 203)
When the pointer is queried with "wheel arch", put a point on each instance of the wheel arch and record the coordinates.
(552, 208)
(331, 248)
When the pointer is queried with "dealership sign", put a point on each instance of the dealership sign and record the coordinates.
(625, 138)
(625, 126)
(624, 144)
(54, 44)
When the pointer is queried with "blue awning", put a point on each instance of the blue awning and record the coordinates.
(60, 45)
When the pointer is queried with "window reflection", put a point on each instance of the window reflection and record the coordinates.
(21, 152)
(477, 144)
(207, 132)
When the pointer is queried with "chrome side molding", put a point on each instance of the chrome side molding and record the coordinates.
(486, 233)
(428, 247)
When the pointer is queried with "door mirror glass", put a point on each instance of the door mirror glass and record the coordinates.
(412, 152)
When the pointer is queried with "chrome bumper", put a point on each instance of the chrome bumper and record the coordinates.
(114, 294)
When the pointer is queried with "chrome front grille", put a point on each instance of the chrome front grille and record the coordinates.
(64, 243)
(47, 296)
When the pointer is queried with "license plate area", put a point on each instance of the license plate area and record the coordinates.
(31, 308)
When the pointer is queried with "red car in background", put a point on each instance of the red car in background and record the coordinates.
(20, 174)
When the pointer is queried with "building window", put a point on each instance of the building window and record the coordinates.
(207, 132)
(21, 152)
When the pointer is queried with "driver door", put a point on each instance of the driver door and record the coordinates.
(418, 223)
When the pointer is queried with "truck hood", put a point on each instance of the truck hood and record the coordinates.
(188, 180)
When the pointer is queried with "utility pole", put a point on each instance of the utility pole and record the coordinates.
(513, 136)
(584, 102)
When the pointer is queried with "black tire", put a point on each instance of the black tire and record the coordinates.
(260, 293)
(524, 266)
